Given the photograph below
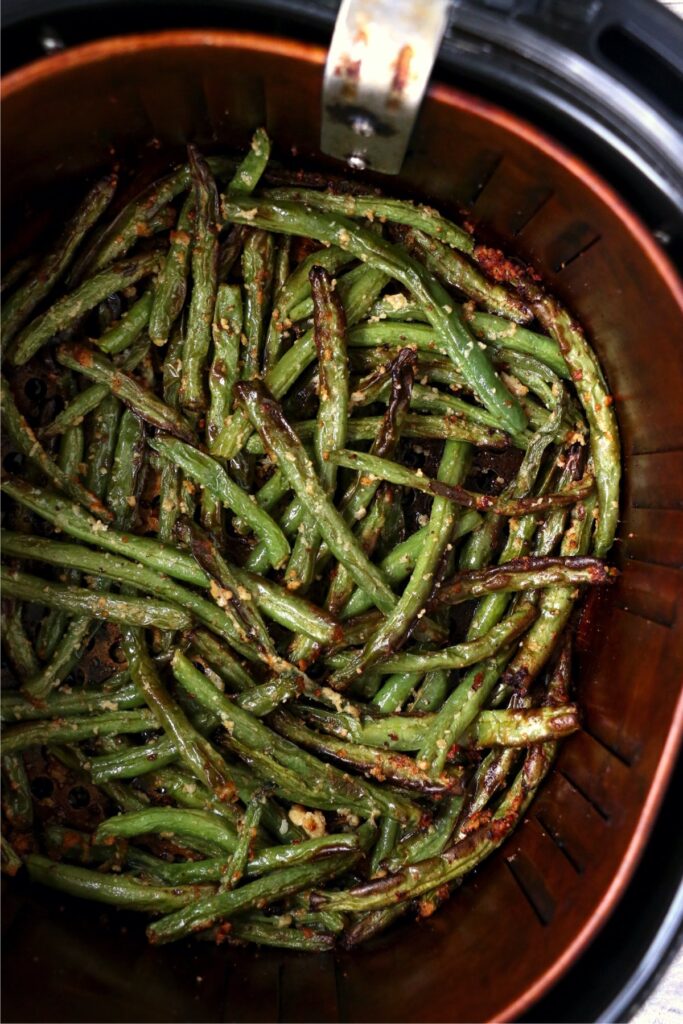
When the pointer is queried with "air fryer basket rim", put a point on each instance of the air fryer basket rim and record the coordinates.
(457, 100)
(101, 50)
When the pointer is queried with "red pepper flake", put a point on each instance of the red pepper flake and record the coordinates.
(478, 680)
(222, 932)
(577, 374)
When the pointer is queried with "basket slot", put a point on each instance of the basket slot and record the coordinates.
(570, 821)
(175, 105)
(541, 870)
(650, 591)
(637, 666)
(296, 986)
(260, 977)
(657, 480)
(555, 236)
(596, 774)
(511, 199)
(654, 536)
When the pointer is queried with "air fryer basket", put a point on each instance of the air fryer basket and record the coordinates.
(514, 928)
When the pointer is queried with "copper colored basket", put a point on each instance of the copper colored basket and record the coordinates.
(512, 930)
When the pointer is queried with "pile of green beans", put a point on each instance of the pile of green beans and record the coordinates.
(332, 488)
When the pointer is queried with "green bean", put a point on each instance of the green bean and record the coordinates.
(88, 400)
(304, 852)
(70, 520)
(41, 281)
(378, 764)
(392, 632)
(17, 645)
(445, 319)
(294, 292)
(274, 886)
(196, 752)
(129, 328)
(520, 727)
(283, 253)
(554, 607)
(11, 861)
(67, 310)
(373, 206)
(433, 691)
(226, 590)
(25, 441)
(460, 709)
(346, 285)
(597, 404)
(459, 655)
(456, 860)
(267, 417)
(18, 802)
(331, 787)
(123, 490)
(132, 762)
(77, 600)
(201, 828)
(227, 328)
(431, 400)
(333, 388)
(294, 613)
(523, 373)
(257, 700)
(62, 704)
(221, 659)
(528, 573)
(396, 690)
(243, 852)
(293, 363)
(365, 428)
(384, 469)
(139, 399)
(63, 658)
(433, 841)
(117, 890)
(139, 576)
(168, 297)
(400, 562)
(386, 841)
(111, 723)
(211, 475)
(458, 272)
(176, 783)
(266, 934)
(510, 336)
(258, 258)
(102, 432)
(204, 261)
(134, 219)
(252, 166)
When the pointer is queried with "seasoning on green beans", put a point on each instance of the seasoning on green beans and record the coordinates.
(291, 549)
